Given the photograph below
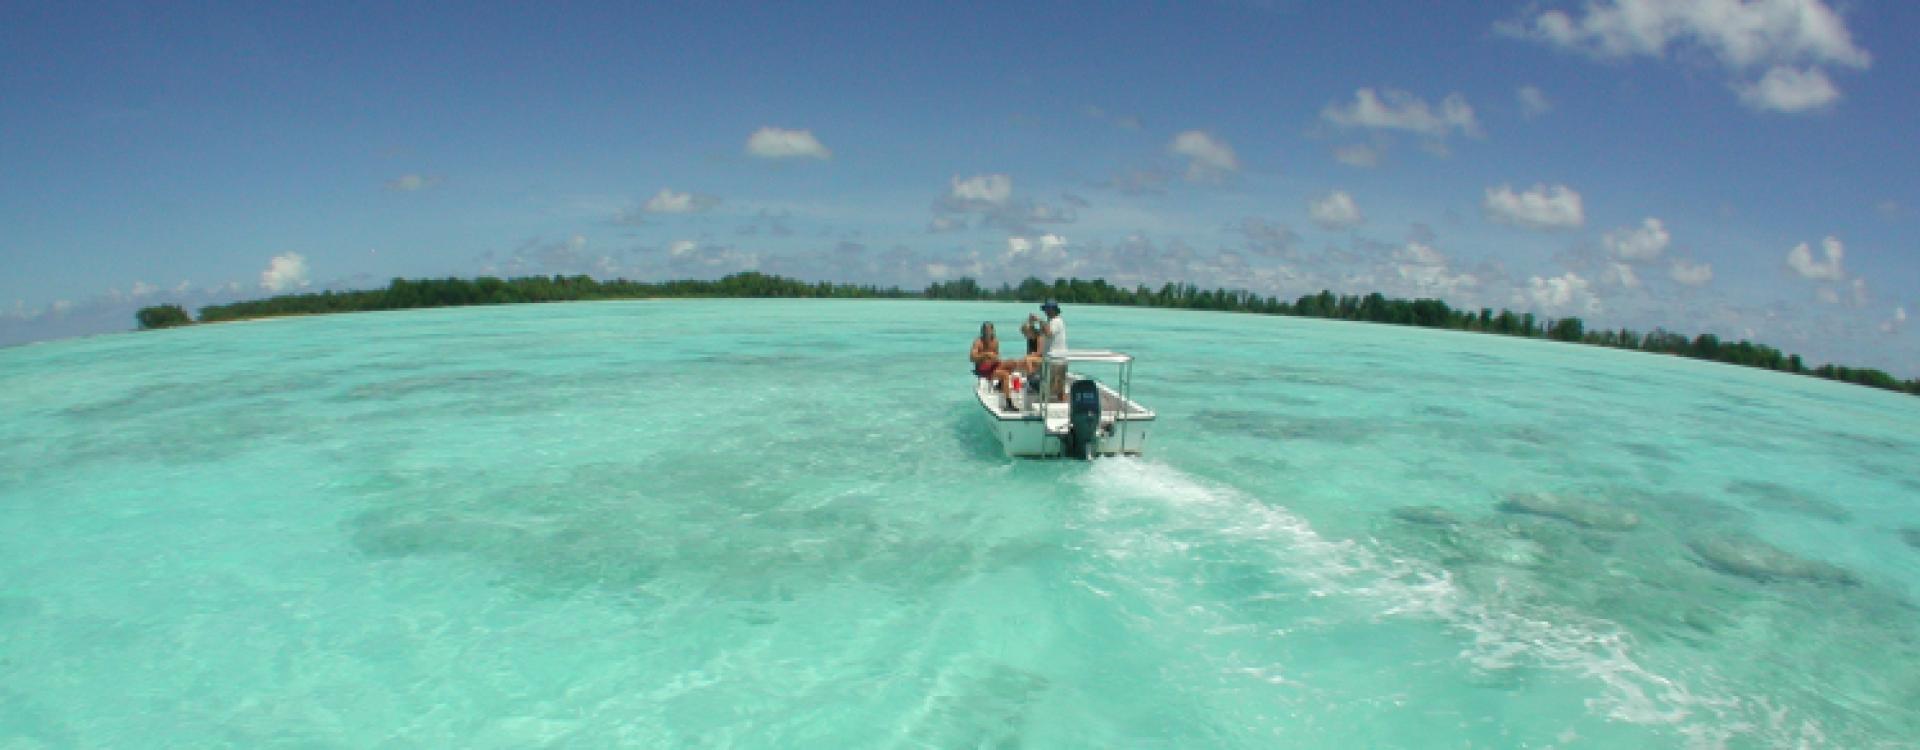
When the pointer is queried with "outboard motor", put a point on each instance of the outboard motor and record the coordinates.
(1083, 418)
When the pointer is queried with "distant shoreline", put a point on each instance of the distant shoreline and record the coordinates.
(409, 294)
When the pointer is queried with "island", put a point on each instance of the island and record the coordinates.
(406, 294)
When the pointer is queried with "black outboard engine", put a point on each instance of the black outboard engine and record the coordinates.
(1083, 418)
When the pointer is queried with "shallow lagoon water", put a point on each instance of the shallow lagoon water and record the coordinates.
(780, 524)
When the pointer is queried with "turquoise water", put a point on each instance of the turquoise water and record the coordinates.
(781, 524)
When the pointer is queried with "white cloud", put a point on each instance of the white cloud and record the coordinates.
(1533, 102)
(1567, 291)
(980, 191)
(1620, 274)
(1045, 249)
(1691, 274)
(1897, 322)
(1644, 242)
(408, 183)
(669, 202)
(681, 248)
(1542, 207)
(1425, 271)
(778, 143)
(1358, 155)
(1399, 110)
(1336, 210)
(1855, 292)
(142, 289)
(1208, 158)
(1743, 35)
(1800, 259)
(991, 197)
(286, 271)
(1787, 89)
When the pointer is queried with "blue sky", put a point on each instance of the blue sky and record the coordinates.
(1742, 167)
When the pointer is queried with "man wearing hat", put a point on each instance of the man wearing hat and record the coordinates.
(1053, 345)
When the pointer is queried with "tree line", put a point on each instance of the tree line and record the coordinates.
(403, 294)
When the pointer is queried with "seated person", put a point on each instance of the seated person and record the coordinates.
(987, 363)
(985, 355)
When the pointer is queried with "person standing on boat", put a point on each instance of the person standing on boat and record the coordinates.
(1053, 345)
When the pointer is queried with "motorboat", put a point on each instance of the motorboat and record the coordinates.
(1080, 416)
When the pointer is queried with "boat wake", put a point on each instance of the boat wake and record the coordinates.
(1149, 515)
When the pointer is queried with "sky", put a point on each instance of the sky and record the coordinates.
(1739, 167)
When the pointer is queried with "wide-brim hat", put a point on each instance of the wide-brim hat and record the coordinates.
(1049, 305)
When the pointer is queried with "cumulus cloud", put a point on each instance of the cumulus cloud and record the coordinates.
(142, 289)
(1801, 260)
(1744, 35)
(1541, 207)
(1533, 102)
(1423, 270)
(980, 191)
(408, 183)
(779, 143)
(1567, 291)
(1047, 243)
(1895, 323)
(991, 197)
(1360, 155)
(1399, 110)
(1208, 158)
(669, 202)
(1619, 274)
(1644, 242)
(285, 271)
(1335, 210)
(1047, 251)
(1691, 274)
(1788, 89)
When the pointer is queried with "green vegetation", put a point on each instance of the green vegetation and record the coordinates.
(162, 316)
(404, 294)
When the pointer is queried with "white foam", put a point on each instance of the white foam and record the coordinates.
(1501, 637)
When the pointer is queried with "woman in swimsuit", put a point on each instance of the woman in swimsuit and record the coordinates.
(987, 363)
(986, 352)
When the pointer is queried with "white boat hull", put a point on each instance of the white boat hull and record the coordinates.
(1040, 430)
